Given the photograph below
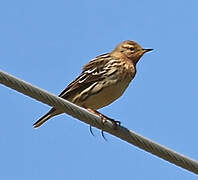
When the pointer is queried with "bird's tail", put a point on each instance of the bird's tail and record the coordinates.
(46, 117)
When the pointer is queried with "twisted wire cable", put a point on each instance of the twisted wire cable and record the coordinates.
(93, 120)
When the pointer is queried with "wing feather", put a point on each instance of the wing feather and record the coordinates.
(92, 72)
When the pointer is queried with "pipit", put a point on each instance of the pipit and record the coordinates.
(103, 80)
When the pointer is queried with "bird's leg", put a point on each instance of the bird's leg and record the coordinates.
(103, 121)
(104, 118)
(90, 127)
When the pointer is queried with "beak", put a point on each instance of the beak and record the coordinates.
(146, 50)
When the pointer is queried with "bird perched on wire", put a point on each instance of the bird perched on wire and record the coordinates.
(103, 80)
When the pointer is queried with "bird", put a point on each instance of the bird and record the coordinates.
(102, 80)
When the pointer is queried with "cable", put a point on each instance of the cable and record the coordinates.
(93, 120)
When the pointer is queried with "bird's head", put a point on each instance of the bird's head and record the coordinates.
(132, 50)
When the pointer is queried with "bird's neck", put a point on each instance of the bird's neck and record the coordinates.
(135, 60)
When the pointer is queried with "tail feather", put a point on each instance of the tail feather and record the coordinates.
(46, 117)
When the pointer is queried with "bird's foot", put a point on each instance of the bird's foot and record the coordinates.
(104, 119)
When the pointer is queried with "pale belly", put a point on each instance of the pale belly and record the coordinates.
(107, 95)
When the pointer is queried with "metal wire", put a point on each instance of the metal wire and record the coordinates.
(93, 120)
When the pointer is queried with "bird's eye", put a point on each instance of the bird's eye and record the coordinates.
(132, 48)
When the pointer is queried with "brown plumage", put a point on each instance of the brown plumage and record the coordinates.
(103, 79)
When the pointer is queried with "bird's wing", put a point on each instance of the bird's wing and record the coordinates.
(92, 72)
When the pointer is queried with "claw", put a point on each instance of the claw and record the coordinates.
(102, 132)
(90, 129)
(116, 124)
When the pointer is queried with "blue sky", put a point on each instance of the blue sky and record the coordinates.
(47, 42)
